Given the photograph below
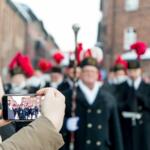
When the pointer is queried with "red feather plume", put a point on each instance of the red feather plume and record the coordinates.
(139, 47)
(79, 50)
(44, 65)
(88, 53)
(121, 61)
(58, 57)
(26, 65)
(14, 61)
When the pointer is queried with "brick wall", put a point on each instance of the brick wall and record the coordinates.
(12, 32)
(116, 19)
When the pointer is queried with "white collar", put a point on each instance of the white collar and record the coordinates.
(90, 94)
(137, 82)
(120, 79)
(70, 82)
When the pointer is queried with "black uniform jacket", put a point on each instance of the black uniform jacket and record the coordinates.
(99, 127)
(64, 86)
(135, 136)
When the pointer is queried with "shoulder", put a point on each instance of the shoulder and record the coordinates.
(144, 88)
(123, 85)
(108, 98)
(145, 84)
(63, 85)
(108, 87)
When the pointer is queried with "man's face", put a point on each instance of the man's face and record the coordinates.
(111, 75)
(56, 77)
(18, 79)
(89, 74)
(70, 72)
(120, 73)
(38, 73)
(134, 73)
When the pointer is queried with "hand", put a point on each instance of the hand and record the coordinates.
(72, 124)
(53, 106)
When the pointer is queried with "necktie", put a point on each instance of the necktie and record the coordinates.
(133, 98)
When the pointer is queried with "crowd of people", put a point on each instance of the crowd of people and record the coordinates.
(24, 108)
(110, 114)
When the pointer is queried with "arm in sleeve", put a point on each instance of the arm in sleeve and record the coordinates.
(144, 99)
(40, 134)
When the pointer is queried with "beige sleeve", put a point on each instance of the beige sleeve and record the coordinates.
(1, 89)
(39, 135)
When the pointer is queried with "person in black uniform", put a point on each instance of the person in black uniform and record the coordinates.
(15, 110)
(56, 77)
(116, 76)
(17, 84)
(120, 70)
(68, 81)
(22, 112)
(109, 83)
(36, 111)
(96, 124)
(20, 68)
(134, 107)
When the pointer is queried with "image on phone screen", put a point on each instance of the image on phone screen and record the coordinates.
(25, 107)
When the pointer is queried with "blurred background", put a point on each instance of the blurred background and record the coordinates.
(40, 28)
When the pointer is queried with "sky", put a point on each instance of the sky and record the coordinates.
(58, 17)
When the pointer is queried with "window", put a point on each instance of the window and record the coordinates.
(131, 5)
(130, 37)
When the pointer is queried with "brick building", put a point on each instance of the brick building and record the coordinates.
(20, 29)
(123, 23)
(38, 42)
(12, 31)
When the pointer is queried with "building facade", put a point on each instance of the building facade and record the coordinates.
(12, 31)
(39, 43)
(21, 30)
(123, 23)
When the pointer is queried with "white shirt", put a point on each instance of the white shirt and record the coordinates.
(137, 82)
(90, 94)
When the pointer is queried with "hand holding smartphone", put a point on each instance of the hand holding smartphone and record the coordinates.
(21, 107)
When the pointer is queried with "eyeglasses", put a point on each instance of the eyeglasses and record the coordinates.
(89, 71)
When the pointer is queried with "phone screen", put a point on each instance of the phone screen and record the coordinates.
(21, 107)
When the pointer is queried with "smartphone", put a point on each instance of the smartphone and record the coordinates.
(21, 107)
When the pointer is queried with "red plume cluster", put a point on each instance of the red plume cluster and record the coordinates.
(14, 61)
(26, 66)
(94, 52)
(121, 61)
(79, 50)
(23, 62)
(139, 47)
(44, 65)
(88, 53)
(58, 57)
